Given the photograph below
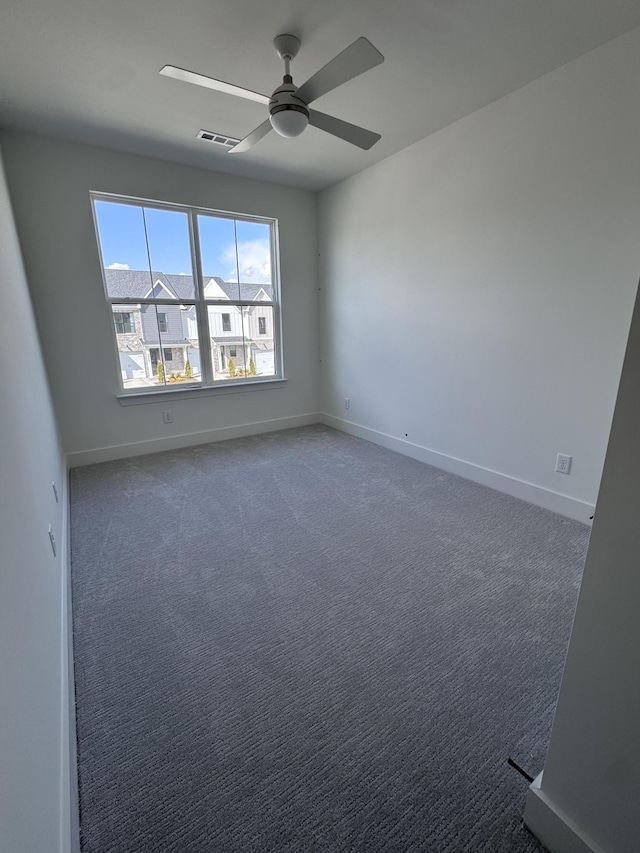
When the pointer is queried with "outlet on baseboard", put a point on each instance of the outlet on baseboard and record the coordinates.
(563, 463)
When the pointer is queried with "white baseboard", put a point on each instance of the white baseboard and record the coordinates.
(156, 445)
(547, 498)
(538, 495)
(69, 805)
(552, 827)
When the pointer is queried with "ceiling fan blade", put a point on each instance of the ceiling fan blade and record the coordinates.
(210, 83)
(354, 60)
(250, 140)
(349, 132)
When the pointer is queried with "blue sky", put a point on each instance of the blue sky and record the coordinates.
(122, 239)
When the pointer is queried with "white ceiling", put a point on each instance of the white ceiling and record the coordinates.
(88, 70)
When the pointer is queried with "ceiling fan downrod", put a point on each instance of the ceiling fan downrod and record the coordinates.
(288, 115)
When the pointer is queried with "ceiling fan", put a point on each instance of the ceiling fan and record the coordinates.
(289, 111)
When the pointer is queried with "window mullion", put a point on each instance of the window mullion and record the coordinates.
(206, 366)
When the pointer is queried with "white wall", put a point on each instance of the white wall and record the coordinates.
(589, 798)
(50, 181)
(477, 287)
(34, 771)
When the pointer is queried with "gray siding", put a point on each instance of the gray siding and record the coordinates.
(150, 325)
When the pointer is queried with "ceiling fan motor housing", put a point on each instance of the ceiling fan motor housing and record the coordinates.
(288, 115)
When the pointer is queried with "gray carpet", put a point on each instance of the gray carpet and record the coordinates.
(303, 642)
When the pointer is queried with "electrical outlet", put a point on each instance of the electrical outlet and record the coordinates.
(347, 402)
(167, 417)
(55, 491)
(563, 463)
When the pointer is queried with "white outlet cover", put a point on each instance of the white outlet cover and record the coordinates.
(563, 463)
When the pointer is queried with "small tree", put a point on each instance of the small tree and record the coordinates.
(232, 368)
(187, 369)
(160, 372)
(252, 367)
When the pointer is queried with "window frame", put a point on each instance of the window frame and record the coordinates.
(208, 384)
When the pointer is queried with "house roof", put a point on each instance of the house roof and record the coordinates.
(136, 284)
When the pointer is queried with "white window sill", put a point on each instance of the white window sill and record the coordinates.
(138, 398)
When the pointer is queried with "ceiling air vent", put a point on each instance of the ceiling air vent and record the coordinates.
(217, 138)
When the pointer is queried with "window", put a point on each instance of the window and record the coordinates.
(124, 323)
(178, 320)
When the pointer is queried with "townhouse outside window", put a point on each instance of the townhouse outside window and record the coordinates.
(193, 293)
(124, 322)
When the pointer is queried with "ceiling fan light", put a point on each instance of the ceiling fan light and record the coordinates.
(290, 121)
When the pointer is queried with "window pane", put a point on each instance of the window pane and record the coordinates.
(254, 350)
(236, 258)
(124, 248)
(131, 238)
(218, 257)
(149, 357)
(170, 253)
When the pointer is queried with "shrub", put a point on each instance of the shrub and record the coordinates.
(160, 372)
(187, 369)
(252, 367)
(232, 368)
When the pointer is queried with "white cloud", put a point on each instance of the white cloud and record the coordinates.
(254, 262)
(117, 266)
